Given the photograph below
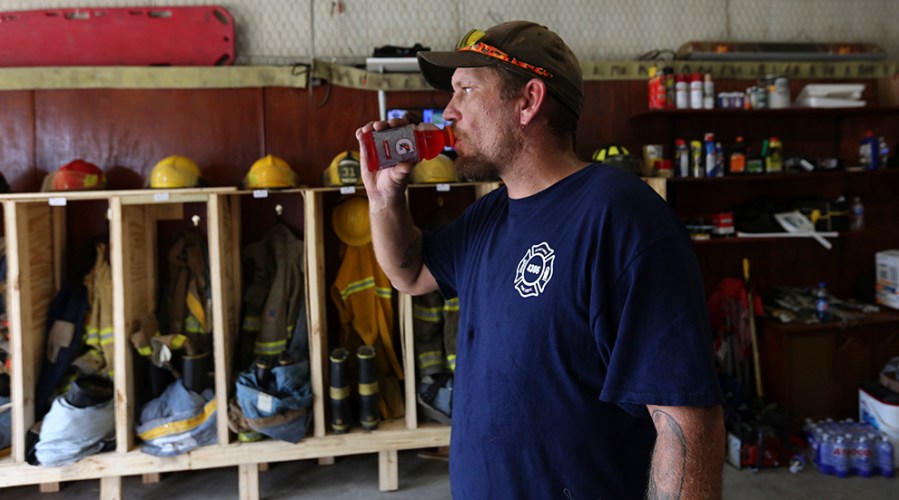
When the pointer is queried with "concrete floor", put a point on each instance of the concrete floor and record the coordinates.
(426, 478)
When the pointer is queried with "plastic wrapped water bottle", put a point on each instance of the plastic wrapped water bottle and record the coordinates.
(864, 457)
(840, 456)
(825, 454)
(884, 454)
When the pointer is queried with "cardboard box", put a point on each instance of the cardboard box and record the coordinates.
(887, 285)
(882, 415)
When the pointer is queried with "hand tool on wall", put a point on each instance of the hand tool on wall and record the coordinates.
(760, 393)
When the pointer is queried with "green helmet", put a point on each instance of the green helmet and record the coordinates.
(617, 156)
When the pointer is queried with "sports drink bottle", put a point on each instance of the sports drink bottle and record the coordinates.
(388, 147)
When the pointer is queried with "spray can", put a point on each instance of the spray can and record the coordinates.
(711, 155)
(697, 164)
(868, 155)
(681, 158)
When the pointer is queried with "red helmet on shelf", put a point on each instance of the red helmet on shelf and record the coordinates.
(76, 175)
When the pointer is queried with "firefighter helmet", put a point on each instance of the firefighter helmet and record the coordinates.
(344, 170)
(76, 175)
(350, 221)
(618, 156)
(175, 171)
(270, 172)
(438, 169)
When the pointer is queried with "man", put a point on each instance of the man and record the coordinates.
(584, 361)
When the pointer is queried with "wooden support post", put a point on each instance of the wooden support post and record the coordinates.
(111, 488)
(388, 471)
(326, 461)
(151, 478)
(49, 487)
(248, 482)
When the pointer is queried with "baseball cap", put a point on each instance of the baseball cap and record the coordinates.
(526, 48)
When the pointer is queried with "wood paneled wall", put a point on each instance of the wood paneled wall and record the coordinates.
(126, 132)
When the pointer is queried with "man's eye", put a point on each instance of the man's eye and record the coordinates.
(465, 90)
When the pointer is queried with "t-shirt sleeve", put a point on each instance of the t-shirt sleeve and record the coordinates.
(439, 254)
(654, 331)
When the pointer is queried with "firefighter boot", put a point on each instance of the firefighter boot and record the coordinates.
(341, 417)
(369, 414)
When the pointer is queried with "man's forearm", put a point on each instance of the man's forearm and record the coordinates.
(688, 457)
(397, 244)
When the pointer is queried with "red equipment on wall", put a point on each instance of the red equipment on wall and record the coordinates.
(128, 36)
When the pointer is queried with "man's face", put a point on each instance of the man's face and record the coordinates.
(487, 134)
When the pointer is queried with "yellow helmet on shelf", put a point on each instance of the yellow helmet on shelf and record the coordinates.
(350, 221)
(344, 170)
(270, 172)
(175, 171)
(441, 168)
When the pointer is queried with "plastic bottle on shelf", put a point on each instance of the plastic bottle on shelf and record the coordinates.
(670, 81)
(408, 143)
(883, 152)
(822, 302)
(856, 214)
(695, 91)
(708, 92)
(867, 151)
(737, 161)
(681, 158)
(681, 92)
(774, 159)
(657, 94)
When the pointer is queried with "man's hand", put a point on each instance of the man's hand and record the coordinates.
(385, 185)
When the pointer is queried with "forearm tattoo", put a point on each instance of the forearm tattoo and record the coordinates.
(669, 460)
(412, 255)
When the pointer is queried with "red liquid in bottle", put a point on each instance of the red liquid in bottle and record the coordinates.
(388, 147)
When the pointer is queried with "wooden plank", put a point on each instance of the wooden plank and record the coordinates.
(49, 487)
(248, 482)
(659, 184)
(17, 323)
(316, 297)
(122, 254)
(222, 335)
(58, 225)
(30, 289)
(326, 461)
(407, 342)
(111, 488)
(388, 471)
(150, 478)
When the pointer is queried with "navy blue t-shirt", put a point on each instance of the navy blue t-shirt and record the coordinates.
(579, 306)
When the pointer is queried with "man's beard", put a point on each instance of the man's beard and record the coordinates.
(479, 167)
(476, 168)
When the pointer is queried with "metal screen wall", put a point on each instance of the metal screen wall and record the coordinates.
(276, 32)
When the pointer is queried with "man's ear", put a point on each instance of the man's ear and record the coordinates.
(533, 96)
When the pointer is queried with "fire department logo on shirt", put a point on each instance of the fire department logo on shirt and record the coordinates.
(534, 270)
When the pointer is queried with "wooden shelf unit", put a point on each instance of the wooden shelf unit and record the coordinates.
(37, 236)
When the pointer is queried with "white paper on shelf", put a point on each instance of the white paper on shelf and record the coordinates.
(818, 236)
